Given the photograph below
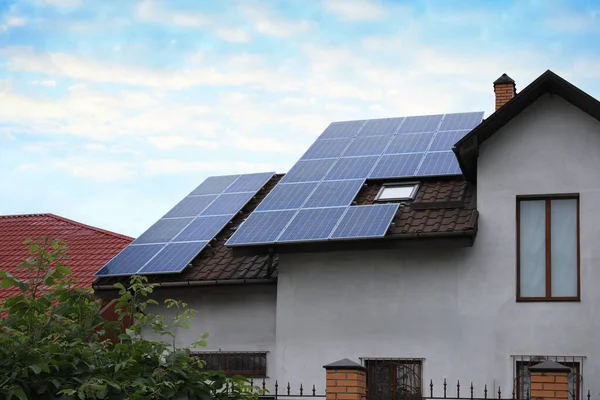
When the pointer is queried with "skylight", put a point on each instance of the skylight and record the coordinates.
(397, 192)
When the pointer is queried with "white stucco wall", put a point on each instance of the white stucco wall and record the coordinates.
(456, 307)
(236, 317)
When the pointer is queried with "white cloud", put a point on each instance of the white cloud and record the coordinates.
(97, 170)
(268, 145)
(272, 25)
(171, 142)
(170, 166)
(355, 10)
(11, 21)
(150, 10)
(46, 82)
(62, 3)
(95, 146)
(232, 34)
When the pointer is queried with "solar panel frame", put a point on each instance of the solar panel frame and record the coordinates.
(249, 182)
(410, 143)
(396, 166)
(308, 171)
(191, 206)
(420, 124)
(460, 121)
(326, 148)
(263, 226)
(334, 193)
(342, 129)
(203, 228)
(367, 146)
(351, 168)
(163, 230)
(311, 224)
(363, 222)
(228, 203)
(439, 163)
(287, 196)
(178, 254)
(382, 126)
(214, 185)
(445, 140)
(122, 264)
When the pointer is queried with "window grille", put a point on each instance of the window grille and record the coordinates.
(394, 378)
(249, 364)
(522, 377)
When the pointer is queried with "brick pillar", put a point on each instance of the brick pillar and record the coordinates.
(549, 381)
(346, 380)
(504, 89)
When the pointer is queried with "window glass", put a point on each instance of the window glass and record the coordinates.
(564, 247)
(533, 248)
(396, 192)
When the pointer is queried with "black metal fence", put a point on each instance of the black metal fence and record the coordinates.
(285, 392)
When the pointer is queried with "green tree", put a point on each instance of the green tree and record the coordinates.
(54, 343)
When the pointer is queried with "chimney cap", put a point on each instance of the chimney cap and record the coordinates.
(504, 79)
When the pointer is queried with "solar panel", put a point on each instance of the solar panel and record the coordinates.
(446, 140)
(249, 182)
(203, 228)
(352, 168)
(130, 260)
(367, 146)
(190, 206)
(443, 163)
(383, 126)
(326, 148)
(396, 165)
(307, 171)
(261, 227)
(419, 124)
(163, 230)
(312, 224)
(287, 196)
(334, 193)
(214, 185)
(344, 129)
(453, 122)
(365, 221)
(409, 143)
(228, 203)
(173, 258)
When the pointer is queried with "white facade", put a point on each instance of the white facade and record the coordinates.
(455, 308)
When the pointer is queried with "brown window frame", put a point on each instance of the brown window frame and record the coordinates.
(223, 359)
(548, 199)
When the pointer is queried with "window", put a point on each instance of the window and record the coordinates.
(397, 191)
(522, 375)
(394, 379)
(250, 364)
(548, 248)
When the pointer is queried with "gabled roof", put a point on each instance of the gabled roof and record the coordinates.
(89, 248)
(466, 149)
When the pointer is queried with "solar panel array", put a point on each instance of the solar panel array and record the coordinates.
(181, 234)
(313, 201)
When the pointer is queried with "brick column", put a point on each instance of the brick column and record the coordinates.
(549, 381)
(346, 380)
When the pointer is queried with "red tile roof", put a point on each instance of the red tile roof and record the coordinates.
(89, 248)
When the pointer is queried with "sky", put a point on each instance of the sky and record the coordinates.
(112, 111)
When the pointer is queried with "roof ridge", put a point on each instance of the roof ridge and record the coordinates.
(72, 222)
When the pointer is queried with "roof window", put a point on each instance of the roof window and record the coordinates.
(397, 192)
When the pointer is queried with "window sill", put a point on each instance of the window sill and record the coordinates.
(547, 299)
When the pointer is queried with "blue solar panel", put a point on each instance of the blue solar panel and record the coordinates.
(383, 126)
(446, 140)
(229, 203)
(130, 260)
(409, 143)
(163, 230)
(352, 168)
(396, 166)
(214, 185)
(287, 196)
(443, 163)
(312, 224)
(367, 146)
(344, 129)
(328, 148)
(261, 227)
(454, 122)
(203, 228)
(308, 171)
(334, 193)
(173, 258)
(190, 206)
(425, 123)
(250, 182)
(365, 221)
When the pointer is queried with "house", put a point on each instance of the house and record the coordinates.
(88, 248)
(467, 251)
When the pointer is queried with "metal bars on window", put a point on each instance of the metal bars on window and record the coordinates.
(522, 377)
(394, 379)
(249, 364)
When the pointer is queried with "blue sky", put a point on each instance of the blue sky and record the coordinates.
(111, 111)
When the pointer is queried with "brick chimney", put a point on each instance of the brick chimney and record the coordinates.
(505, 89)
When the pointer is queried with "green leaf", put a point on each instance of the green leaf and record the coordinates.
(64, 270)
(6, 283)
(19, 393)
(35, 368)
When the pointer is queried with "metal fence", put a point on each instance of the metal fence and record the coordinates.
(285, 392)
